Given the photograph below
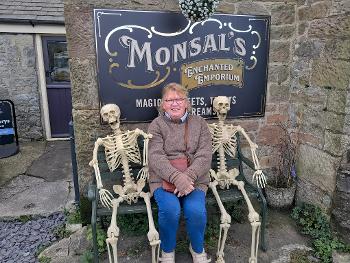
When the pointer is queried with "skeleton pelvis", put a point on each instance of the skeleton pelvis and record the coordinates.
(127, 189)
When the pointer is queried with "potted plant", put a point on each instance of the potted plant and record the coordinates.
(281, 187)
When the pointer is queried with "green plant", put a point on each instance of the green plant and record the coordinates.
(74, 217)
(44, 259)
(314, 222)
(40, 249)
(101, 237)
(87, 257)
(25, 218)
(61, 232)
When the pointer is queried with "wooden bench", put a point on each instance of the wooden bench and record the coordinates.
(227, 195)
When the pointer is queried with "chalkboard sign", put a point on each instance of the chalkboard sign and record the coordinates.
(8, 129)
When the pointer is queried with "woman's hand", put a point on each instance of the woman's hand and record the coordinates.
(187, 191)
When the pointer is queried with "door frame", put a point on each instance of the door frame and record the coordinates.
(42, 81)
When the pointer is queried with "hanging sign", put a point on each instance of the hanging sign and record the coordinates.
(139, 52)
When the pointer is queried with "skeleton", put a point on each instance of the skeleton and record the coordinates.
(224, 142)
(120, 149)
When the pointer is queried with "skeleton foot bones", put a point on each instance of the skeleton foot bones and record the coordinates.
(224, 142)
(120, 149)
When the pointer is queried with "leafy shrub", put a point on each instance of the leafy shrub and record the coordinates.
(87, 257)
(314, 222)
(101, 237)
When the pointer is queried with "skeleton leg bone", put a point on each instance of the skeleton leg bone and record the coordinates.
(153, 236)
(113, 232)
(254, 220)
(224, 225)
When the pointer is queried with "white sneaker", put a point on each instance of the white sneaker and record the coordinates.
(167, 257)
(199, 258)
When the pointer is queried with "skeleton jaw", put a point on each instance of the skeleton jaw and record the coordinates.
(115, 126)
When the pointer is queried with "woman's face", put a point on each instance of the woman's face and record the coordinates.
(174, 104)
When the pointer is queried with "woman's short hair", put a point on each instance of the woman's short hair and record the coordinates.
(177, 88)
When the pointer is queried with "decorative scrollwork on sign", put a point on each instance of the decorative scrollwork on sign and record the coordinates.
(253, 52)
(255, 61)
(127, 27)
(239, 31)
(202, 23)
(154, 83)
(170, 34)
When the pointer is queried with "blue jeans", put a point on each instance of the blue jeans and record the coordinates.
(169, 209)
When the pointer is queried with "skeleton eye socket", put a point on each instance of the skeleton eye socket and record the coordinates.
(105, 114)
(112, 112)
(220, 104)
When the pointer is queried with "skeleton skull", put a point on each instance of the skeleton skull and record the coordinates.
(221, 105)
(111, 114)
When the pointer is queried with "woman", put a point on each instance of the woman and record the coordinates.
(179, 163)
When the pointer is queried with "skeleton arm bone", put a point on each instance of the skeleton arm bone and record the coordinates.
(144, 173)
(105, 196)
(258, 174)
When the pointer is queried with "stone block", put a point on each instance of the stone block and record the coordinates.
(308, 49)
(282, 32)
(339, 257)
(282, 14)
(330, 28)
(306, 138)
(269, 135)
(338, 49)
(279, 51)
(315, 11)
(336, 101)
(278, 93)
(84, 84)
(330, 73)
(334, 121)
(340, 7)
(332, 143)
(311, 193)
(278, 73)
(302, 28)
(270, 107)
(225, 7)
(79, 31)
(277, 118)
(317, 167)
(250, 8)
(247, 125)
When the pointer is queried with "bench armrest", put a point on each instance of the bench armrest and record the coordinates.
(92, 192)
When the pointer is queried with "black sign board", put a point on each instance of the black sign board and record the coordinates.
(139, 52)
(8, 130)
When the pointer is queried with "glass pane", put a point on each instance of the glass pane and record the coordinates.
(58, 61)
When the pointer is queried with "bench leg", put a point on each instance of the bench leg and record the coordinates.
(225, 223)
(94, 231)
(263, 245)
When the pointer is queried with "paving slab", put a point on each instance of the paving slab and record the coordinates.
(13, 166)
(26, 195)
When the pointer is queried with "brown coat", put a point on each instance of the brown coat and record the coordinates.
(168, 143)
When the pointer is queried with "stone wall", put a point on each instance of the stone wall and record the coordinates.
(308, 83)
(18, 82)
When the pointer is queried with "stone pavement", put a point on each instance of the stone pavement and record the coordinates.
(37, 181)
